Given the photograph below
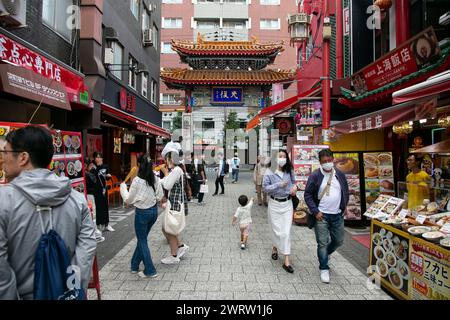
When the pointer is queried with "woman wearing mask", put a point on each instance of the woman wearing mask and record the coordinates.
(258, 176)
(280, 186)
(145, 193)
(100, 192)
(173, 183)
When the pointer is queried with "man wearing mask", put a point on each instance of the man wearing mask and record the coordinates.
(327, 196)
(221, 172)
(235, 163)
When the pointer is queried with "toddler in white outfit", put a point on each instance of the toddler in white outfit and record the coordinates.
(244, 214)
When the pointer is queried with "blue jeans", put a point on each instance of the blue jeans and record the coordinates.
(143, 222)
(329, 237)
(235, 174)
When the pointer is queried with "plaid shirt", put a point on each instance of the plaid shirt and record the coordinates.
(177, 194)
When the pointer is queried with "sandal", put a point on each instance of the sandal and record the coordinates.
(275, 255)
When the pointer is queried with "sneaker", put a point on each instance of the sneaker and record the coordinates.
(243, 246)
(98, 233)
(109, 228)
(101, 227)
(143, 275)
(182, 251)
(134, 272)
(325, 276)
(170, 260)
(101, 239)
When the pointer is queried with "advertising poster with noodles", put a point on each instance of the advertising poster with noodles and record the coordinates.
(379, 175)
(305, 159)
(348, 164)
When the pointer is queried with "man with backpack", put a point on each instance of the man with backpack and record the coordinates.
(235, 163)
(41, 218)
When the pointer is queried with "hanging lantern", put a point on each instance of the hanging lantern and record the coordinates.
(402, 129)
(444, 122)
(299, 27)
(384, 5)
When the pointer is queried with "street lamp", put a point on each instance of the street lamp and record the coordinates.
(299, 27)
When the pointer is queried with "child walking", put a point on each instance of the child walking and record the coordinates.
(244, 214)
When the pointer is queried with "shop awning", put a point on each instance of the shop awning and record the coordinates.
(409, 111)
(281, 107)
(437, 148)
(141, 125)
(433, 86)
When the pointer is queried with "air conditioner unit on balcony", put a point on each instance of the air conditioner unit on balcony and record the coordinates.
(13, 13)
(148, 38)
(109, 56)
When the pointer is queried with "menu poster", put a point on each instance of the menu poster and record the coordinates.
(379, 175)
(384, 206)
(348, 163)
(305, 160)
(430, 270)
(67, 159)
(389, 258)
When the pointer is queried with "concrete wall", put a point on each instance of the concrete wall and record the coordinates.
(225, 10)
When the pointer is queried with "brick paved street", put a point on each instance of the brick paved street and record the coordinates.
(217, 269)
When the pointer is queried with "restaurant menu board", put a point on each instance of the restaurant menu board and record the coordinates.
(384, 207)
(389, 258)
(306, 161)
(348, 163)
(379, 175)
(430, 271)
(68, 155)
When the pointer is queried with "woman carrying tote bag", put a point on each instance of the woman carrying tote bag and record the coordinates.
(176, 206)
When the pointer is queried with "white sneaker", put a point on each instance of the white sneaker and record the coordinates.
(98, 233)
(243, 246)
(143, 275)
(101, 239)
(325, 276)
(109, 228)
(170, 260)
(182, 251)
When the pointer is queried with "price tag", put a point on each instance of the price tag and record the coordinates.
(446, 228)
(421, 218)
(403, 213)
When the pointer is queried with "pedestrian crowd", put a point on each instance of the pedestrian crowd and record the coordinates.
(31, 187)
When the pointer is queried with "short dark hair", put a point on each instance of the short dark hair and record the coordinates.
(243, 200)
(325, 153)
(35, 140)
(417, 158)
(97, 155)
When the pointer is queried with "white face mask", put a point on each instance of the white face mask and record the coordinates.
(328, 166)
(282, 162)
(196, 161)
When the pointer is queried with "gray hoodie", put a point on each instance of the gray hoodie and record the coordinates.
(20, 228)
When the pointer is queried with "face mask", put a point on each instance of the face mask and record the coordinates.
(282, 162)
(196, 161)
(328, 166)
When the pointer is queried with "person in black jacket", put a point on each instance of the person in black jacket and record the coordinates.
(327, 196)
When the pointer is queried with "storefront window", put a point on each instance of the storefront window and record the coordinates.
(55, 16)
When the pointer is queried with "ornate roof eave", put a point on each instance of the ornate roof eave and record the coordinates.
(186, 77)
(383, 95)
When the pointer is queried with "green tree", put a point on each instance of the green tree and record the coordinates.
(232, 121)
(177, 121)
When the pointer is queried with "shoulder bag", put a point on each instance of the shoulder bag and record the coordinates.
(175, 221)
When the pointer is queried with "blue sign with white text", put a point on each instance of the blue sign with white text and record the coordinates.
(227, 96)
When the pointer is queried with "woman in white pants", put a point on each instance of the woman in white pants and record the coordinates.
(280, 186)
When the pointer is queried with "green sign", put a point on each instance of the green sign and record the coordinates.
(84, 97)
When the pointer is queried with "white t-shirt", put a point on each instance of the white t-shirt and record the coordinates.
(330, 204)
(141, 195)
(244, 214)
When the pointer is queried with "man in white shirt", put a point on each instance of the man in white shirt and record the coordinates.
(235, 163)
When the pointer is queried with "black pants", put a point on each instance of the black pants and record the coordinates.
(195, 186)
(219, 180)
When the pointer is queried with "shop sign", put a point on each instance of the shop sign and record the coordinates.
(346, 21)
(127, 101)
(117, 145)
(129, 138)
(227, 96)
(309, 113)
(84, 97)
(14, 53)
(24, 83)
(430, 271)
(416, 54)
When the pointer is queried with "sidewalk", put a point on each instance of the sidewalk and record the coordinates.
(217, 269)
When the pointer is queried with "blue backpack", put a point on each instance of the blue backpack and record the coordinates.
(53, 273)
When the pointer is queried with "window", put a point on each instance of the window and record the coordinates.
(155, 36)
(134, 7)
(172, 1)
(154, 91)
(144, 85)
(118, 60)
(172, 23)
(170, 99)
(236, 24)
(270, 2)
(167, 125)
(235, 1)
(132, 78)
(270, 24)
(167, 48)
(54, 15)
(208, 1)
(208, 24)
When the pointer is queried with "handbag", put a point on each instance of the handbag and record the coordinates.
(204, 188)
(175, 221)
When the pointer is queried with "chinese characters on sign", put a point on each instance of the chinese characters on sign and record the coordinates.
(416, 54)
(127, 101)
(368, 123)
(227, 96)
(14, 53)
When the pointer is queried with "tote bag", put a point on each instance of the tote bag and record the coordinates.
(175, 221)
(204, 188)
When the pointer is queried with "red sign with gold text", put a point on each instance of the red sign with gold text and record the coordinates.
(416, 54)
(14, 53)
